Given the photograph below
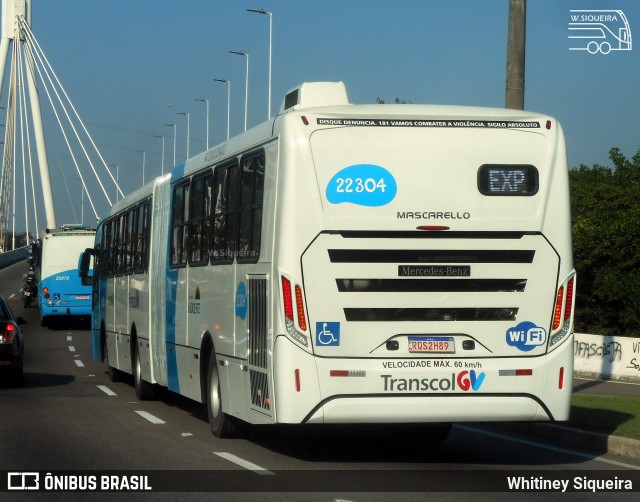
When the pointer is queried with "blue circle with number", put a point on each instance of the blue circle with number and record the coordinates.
(362, 184)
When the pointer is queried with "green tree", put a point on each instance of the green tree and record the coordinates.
(605, 206)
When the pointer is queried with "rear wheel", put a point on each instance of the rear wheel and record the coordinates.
(144, 390)
(221, 423)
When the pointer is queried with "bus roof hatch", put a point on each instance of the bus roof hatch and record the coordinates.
(313, 94)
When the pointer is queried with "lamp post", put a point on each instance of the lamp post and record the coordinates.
(144, 160)
(162, 160)
(228, 82)
(186, 115)
(207, 102)
(174, 141)
(266, 12)
(246, 85)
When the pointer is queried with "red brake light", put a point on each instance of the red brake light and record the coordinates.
(9, 333)
(557, 314)
(432, 227)
(288, 301)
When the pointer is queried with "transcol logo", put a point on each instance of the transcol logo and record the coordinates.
(600, 31)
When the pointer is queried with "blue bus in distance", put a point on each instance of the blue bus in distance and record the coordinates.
(62, 292)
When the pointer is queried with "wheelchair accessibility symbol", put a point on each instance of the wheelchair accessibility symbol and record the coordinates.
(328, 333)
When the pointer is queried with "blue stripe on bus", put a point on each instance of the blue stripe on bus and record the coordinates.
(173, 382)
(172, 362)
(96, 316)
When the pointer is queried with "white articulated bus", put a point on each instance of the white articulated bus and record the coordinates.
(350, 264)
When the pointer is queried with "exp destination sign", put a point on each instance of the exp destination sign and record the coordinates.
(490, 124)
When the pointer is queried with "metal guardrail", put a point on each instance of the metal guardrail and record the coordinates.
(11, 257)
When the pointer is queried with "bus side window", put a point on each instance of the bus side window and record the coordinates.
(142, 249)
(252, 183)
(104, 249)
(200, 220)
(180, 225)
(121, 236)
(225, 188)
(129, 241)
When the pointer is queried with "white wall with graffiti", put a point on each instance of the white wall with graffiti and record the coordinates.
(611, 357)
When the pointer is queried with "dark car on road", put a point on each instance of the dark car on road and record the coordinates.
(11, 346)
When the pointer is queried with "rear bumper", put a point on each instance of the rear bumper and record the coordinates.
(409, 390)
(10, 357)
(428, 408)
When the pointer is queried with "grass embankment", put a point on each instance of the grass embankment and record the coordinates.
(613, 415)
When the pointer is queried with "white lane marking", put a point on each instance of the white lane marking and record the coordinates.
(244, 463)
(78, 363)
(72, 348)
(547, 447)
(69, 338)
(12, 296)
(106, 390)
(150, 417)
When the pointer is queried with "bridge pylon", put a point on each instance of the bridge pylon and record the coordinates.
(14, 14)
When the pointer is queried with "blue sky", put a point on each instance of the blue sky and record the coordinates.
(123, 61)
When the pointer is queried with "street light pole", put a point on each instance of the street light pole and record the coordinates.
(186, 115)
(246, 85)
(207, 102)
(162, 160)
(516, 42)
(266, 12)
(144, 159)
(228, 82)
(174, 141)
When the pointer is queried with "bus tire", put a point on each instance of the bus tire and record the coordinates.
(221, 424)
(114, 374)
(144, 390)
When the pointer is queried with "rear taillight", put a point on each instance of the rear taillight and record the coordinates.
(287, 297)
(7, 333)
(288, 301)
(557, 312)
(302, 320)
(569, 301)
(561, 324)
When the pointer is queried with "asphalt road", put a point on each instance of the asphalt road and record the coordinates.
(606, 388)
(69, 416)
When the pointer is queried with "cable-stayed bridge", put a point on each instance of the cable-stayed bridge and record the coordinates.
(28, 80)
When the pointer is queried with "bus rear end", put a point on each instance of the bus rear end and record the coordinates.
(435, 279)
(62, 291)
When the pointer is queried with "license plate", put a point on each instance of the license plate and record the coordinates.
(432, 344)
(26, 293)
